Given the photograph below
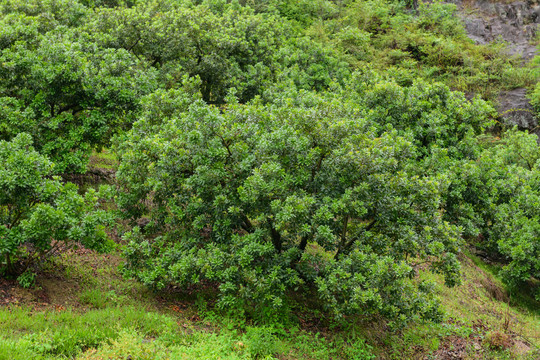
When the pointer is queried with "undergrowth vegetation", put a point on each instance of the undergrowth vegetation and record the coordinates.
(129, 320)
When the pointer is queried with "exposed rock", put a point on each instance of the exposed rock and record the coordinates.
(92, 176)
(514, 108)
(521, 348)
(513, 22)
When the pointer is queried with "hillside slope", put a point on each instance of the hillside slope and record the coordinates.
(100, 315)
(283, 179)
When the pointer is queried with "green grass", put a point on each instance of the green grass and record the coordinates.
(67, 333)
(523, 299)
(104, 159)
(94, 313)
(97, 298)
(116, 332)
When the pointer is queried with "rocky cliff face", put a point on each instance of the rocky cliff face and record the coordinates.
(515, 23)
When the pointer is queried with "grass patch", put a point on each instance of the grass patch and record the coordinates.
(94, 313)
(104, 159)
(67, 333)
(113, 333)
(101, 315)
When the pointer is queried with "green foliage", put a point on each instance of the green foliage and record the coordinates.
(496, 200)
(97, 298)
(430, 43)
(517, 224)
(260, 342)
(47, 13)
(120, 332)
(535, 98)
(276, 146)
(304, 11)
(27, 279)
(437, 118)
(311, 66)
(241, 198)
(67, 333)
(70, 95)
(39, 214)
(108, 3)
(226, 47)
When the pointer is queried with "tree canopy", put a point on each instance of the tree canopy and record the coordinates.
(39, 214)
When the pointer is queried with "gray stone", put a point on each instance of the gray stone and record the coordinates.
(515, 23)
(514, 108)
